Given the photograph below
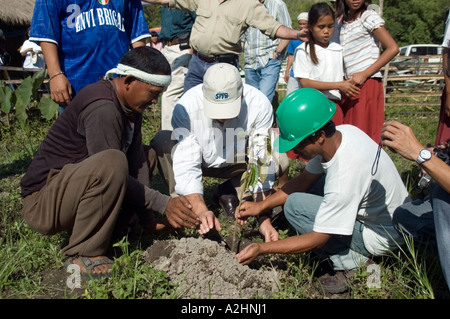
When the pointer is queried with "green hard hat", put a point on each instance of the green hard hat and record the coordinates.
(301, 113)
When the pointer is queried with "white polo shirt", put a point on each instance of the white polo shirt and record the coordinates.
(329, 69)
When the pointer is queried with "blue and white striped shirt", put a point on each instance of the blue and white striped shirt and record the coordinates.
(258, 47)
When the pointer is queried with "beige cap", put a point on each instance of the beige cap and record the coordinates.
(222, 91)
(303, 16)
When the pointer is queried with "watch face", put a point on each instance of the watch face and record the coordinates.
(425, 154)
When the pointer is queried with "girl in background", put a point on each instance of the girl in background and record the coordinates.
(318, 62)
(361, 32)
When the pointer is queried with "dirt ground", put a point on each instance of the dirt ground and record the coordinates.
(202, 268)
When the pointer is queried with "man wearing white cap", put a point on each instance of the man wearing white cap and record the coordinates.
(214, 123)
(91, 169)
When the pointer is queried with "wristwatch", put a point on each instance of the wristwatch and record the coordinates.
(278, 53)
(424, 155)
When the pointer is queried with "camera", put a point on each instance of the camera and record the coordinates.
(444, 155)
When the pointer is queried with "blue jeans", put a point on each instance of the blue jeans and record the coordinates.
(264, 78)
(196, 71)
(428, 221)
(345, 252)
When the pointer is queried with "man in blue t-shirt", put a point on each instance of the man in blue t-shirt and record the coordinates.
(83, 40)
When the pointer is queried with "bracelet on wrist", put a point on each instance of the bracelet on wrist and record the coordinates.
(298, 35)
(55, 75)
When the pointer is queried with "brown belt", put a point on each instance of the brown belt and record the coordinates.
(172, 42)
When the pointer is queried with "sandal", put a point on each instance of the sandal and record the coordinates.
(89, 266)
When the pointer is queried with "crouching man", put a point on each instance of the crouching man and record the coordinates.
(92, 162)
(342, 203)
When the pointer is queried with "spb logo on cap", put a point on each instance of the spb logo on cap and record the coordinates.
(221, 96)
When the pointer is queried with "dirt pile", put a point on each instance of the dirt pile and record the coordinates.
(205, 269)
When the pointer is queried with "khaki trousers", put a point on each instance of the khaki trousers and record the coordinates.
(163, 145)
(85, 197)
(179, 63)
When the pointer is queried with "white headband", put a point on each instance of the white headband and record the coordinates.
(154, 79)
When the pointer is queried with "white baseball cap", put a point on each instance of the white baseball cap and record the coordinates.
(222, 91)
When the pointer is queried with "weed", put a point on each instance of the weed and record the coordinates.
(131, 279)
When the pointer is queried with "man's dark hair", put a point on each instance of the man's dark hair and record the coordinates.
(147, 59)
(329, 129)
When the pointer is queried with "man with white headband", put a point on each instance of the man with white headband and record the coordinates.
(91, 170)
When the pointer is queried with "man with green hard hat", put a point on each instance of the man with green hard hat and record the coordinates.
(341, 205)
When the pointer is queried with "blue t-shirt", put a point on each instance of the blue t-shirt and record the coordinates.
(91, 35)
(293, 44)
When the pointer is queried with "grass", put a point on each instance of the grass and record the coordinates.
(25, 254)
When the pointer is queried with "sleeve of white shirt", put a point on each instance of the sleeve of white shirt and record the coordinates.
(187, 155)
(260, 140)
(446, 42)
(187, 160)
(302, 63)
(371, 20)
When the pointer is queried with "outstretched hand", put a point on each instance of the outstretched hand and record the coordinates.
(208, 221)
(61, 90)
(246, 210)
(179, 213)
(248, 254)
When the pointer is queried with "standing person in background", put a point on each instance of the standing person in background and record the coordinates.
(5, 57)
(443, 131)
(218, 29)
(337, 24)
(318, 62)
(83, 40)
(154, 41)
(34, 59)
(176, 26)
(292, 83)
(362, 30)
(263, 56)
